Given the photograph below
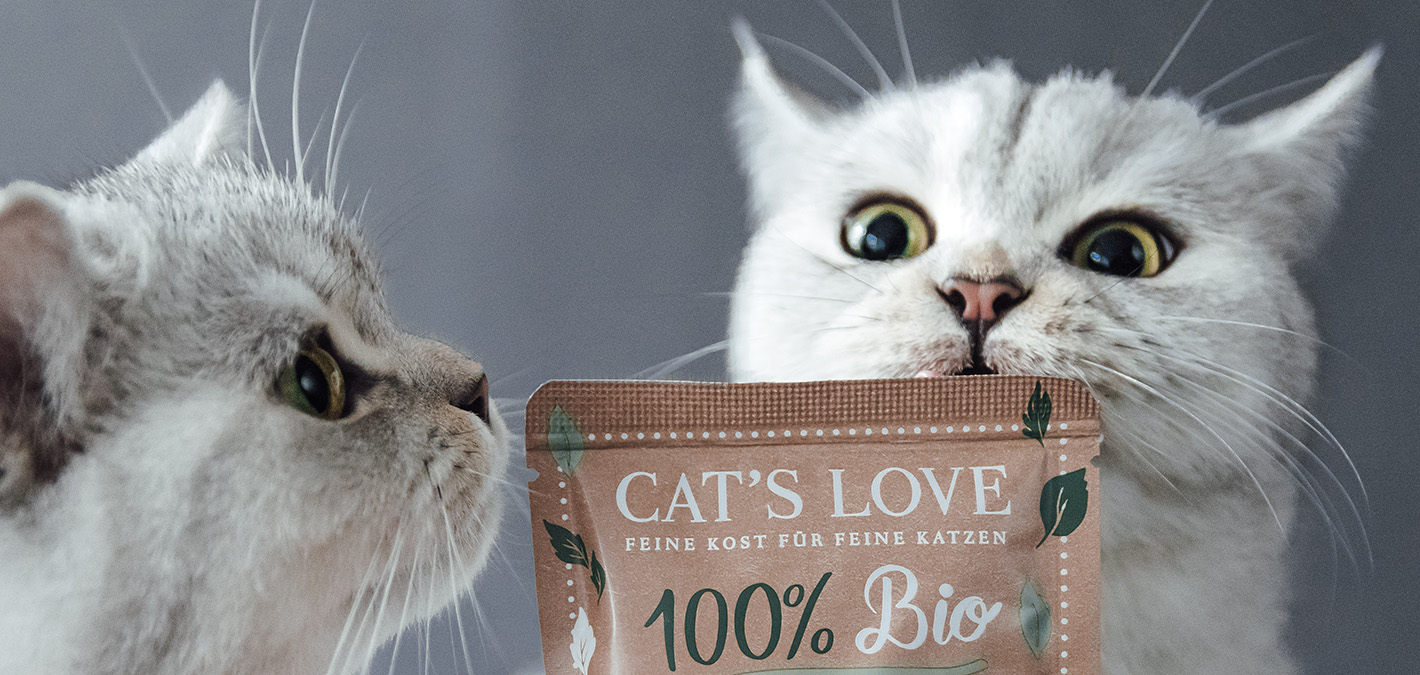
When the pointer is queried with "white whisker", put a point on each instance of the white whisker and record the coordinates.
(340, 150)
(453, 585)
(664, 368)
(388, 583)
(1178, 47)
(902, 43)
(1212, 368)
(1161, 396)
(821, 62)
(404, 611)
(253, 68)
(1330, 515)
(296, 98)
(828, 262)
(884, 81)
(1219, 112)
(1310, 338)
(1204, 92)
(143, 71)
(335, 121)
(315, 133)
(350, 616)
(1294, 408)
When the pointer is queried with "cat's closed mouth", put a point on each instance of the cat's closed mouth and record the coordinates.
(973, 369)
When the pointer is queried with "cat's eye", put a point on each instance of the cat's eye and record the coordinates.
(1121, 247)
(886, 229)
(313, 384)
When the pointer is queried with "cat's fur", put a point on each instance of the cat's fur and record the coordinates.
(1197, 368)
(164, 511)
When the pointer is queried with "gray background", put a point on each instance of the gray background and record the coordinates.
(554, 191)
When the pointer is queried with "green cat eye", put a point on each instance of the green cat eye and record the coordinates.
(313, 384)
(886, 230)
(1122, 248)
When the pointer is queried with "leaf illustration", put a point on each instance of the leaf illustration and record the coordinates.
(598, 576)
(584, 642)
(568, 546)
(564, 439)
(1064, 501)
(1035, 619)
(1037, 415)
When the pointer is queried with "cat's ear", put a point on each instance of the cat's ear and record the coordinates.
(213, 127)
(1300, 149)
(44, 322)
(772, 119)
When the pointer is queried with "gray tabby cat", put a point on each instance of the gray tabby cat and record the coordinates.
(983, 224)
(220, 454)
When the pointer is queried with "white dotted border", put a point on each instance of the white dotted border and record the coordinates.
(804, 432)
(562, 484)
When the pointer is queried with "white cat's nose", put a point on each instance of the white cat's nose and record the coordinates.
(982, 303)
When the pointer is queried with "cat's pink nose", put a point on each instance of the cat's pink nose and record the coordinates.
(982, 303)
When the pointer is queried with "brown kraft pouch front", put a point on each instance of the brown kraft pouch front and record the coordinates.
(943, 526)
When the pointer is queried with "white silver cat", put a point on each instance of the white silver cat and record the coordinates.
(166, 506)
(1199, 360)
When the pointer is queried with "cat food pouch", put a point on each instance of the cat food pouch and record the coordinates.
(941, 526)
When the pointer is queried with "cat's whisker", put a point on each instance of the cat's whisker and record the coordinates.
(330, 163)
(1283, 401)
(828, 329)
(1178, 47)
(788, 296)
(340, 148)
(1108, 288)
(1229, 322)
(254, 54)
(828, 262)
(884, 81)
(429, 611)
(820, 62)
(1203, 93)
(388, 583)
(1267, 444)
(512, 376)
(1080, 376)
(355, 604)
(296, 97)
(375, 608)
(902, 43)
(1217, 113)
(143, 70)
(664, 368)
(315, 133)
(415, 201)
(360, 212)
(1217, 370)
(372, 585)
(453, 586)
(1186, 411)
(404, 611)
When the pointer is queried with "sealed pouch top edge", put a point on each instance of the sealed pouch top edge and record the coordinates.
(622, 406)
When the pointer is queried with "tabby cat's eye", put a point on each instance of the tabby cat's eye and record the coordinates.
(886, 230)
(313, 384)
(1121, 247)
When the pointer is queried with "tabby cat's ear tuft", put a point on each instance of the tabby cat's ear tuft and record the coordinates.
(213, 127)
(44, 322)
